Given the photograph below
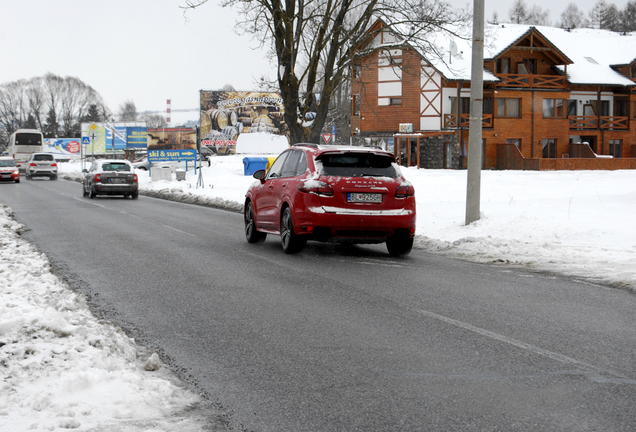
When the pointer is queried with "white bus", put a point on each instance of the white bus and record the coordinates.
(24, 142)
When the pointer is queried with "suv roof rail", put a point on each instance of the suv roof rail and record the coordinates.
(306, 145)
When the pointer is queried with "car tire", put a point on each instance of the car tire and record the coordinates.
(17, 181)
(251, 234)
(54, 177)
(289, 240)
(91, 194)
(134, 195)
(84, 192)
(399, 245)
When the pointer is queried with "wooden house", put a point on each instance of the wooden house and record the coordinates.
(553, 99)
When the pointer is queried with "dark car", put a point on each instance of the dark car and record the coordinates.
(41, 165)
(9, 169)
(335, 194)
(111, 177)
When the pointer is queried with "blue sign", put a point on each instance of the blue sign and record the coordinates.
(172, 155)
(86, 140)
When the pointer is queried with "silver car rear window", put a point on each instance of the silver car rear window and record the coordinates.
(116, 167)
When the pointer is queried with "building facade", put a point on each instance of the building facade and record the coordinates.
(551, 96)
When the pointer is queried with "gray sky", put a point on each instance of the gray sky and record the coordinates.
(145, 51)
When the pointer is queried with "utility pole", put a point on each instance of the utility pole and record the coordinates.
(473, 192)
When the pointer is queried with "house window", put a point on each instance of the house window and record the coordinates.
(531, 65)
(487, 105)
(503, 65)
(508, 107)
(549, 148)
(515, 141)
(621, 108)
(356, 105)
(615, 148)
(395, 101)
(553, 108)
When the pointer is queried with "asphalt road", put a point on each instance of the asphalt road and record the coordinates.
(341, 338)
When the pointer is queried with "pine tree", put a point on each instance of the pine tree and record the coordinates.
(51, 126)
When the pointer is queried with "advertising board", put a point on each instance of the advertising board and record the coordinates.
(62, 147)
(172, 139)
(102, 140)
(228, 116)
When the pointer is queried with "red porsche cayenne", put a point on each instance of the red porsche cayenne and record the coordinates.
(335, 194)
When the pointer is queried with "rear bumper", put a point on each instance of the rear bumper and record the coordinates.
(115, 189)
(330, 223)
(42, 172)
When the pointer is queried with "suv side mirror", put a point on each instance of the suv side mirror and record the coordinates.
(84, 170)
(260, 175)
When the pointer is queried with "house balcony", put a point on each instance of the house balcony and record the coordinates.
(450, 121)
(531, 81)
(592, 122)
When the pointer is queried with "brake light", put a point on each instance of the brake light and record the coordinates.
(317, 187)
(98, 177)
(33, 164)
(135, 179)
(53, 164)
(404, 190)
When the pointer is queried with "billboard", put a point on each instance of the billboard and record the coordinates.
(102, 139)
(227, 116)
(64, 147)
(172, 139)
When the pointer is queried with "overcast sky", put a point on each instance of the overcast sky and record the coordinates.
(146, 51)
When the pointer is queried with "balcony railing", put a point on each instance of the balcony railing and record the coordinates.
(531, 81)
(450, 120)
(591, 122)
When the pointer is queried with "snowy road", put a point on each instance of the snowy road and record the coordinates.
(338, 338)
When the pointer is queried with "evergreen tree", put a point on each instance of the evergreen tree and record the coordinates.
(628, 17)
(51, 126)
(31, 123)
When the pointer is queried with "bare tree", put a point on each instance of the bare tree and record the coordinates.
(315, 42)
(538, 16)
(47, 103)
(572, 17)
(628, 17)
(519, 12)
(154, 120)
(128, 112)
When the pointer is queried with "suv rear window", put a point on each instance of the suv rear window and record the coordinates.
(43, 157)
(357, 165)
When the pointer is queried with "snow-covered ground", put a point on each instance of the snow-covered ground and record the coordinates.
(63, 369)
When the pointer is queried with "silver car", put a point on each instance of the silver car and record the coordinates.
(111, 177)
(41, 165)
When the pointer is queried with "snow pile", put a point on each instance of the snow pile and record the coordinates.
(62, 368)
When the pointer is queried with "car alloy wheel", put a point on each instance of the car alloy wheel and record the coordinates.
(289, 240)
(251, 234)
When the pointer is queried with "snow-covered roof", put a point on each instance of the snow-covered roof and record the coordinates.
(593, 52)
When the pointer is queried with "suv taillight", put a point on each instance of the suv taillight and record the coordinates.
(317, 187)
(135, 178)
(98, 177)
(404, 190)
(33, 164)
(53, 164)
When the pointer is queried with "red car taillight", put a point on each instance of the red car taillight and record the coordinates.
(135, 179)
(53, 164)
(405, 190)
(33, 164)
(98, 177)
(317, 187)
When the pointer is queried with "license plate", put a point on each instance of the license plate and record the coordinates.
(364, 197)
(117, 180)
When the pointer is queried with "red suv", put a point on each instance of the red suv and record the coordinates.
(329, 193)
